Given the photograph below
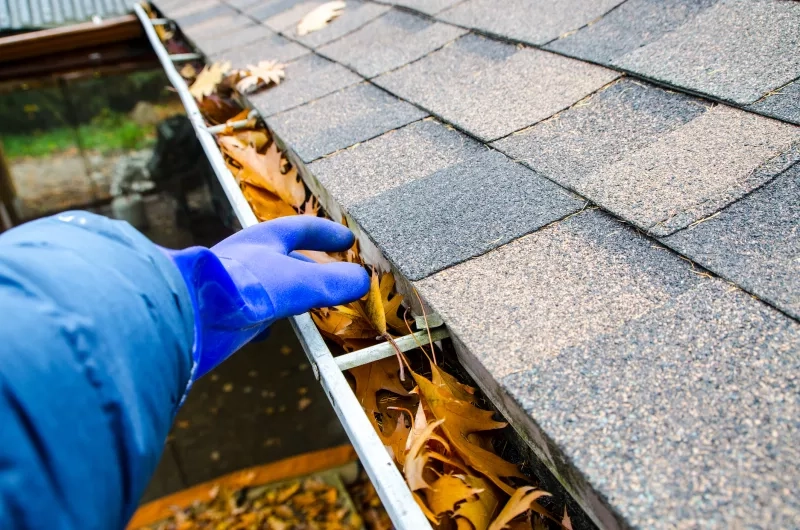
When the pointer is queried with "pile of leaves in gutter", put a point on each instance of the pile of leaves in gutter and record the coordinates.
(310, 504)
(428, 420)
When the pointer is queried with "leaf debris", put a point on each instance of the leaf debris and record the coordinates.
(320, 17)
(263, 74)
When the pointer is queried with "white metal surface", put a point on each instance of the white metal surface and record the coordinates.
(384, 349)
(386, 478)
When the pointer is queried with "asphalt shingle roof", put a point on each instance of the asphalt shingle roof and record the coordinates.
(484, 86)
(613, 246)
(393, 40)
(342, 119)
(541, 23)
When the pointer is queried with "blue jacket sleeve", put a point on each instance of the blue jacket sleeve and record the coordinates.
(96, 332)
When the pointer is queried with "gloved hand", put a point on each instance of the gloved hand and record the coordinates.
(242, 285)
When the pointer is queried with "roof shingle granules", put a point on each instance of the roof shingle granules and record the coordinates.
(660, 394)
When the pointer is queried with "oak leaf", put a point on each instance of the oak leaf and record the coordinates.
(372, 378)
(447, 492)
(207, 80)
(479, 510)
(263, 170)
(463, 420)
(217, 109)
(320, 17)
(265, 205)
(520, 502)
(258, 76)
(417, 457)
(376, 314)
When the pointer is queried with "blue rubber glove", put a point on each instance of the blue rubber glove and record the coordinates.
(242, 285)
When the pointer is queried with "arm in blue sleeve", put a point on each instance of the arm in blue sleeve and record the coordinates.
(96, 333)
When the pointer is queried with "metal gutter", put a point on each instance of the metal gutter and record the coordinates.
(388, 482)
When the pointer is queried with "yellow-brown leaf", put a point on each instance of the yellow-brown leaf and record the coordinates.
(265, 205)
(447, 492)
(480, 510)
(520, 502)
(264, 171)
(375, 310)
(463, 419)
(207, 80)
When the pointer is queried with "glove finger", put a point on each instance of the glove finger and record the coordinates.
(286, 234)
(305, 232)
(320, 285)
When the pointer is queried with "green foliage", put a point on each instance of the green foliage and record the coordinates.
(108, 131)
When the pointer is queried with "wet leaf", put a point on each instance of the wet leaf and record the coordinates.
(320, 17)
(207, 80)
(262, 75)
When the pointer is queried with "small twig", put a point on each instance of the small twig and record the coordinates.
(427, 327)
(234, 125)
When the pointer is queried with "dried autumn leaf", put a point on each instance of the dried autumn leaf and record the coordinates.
(447, 492)
(371, 379)
(208, 79)
(265, 205)
(320, 17)
(479, 510)
(217, 109)
(188, 71)
(375, 311)
(464, 419)
(520, 502)
(566, 522)
(255, 139)
(417, 458)
(263, 170)
(261, 75)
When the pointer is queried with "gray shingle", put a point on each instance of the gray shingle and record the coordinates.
(391, 41)
(340, 120)
(217, 27)
(531, 21)
(674, 395)
(430, 7)
(270, 8)
(398, 157)
(287, 19)
(245, 4)
(755, 242)
(632, 25)
(737, 50)
(783, 103)
(272, 47)
(460, 211)
(308, 78)
(214, 43)
(490, 89)
(354, 16)
(182, 9)
(658, 159)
